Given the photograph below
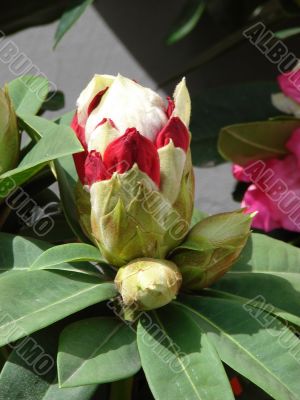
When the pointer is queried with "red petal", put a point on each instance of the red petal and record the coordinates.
(121, 154)
(94, 168)
(79, 160)
(96, 101)
(236, 386)
(171, 107)
(105, 120)
(79, 130)
(175, 130)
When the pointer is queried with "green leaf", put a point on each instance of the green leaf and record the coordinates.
(190, 16)
(244, 143)
(178, 359)
(28, 93)
(219, 107)
(31, 300)
(263, 289)
(251, 341)
(54, 101)
(23, 379)
(287, 33)
(69, 18)
(57, 141)
(67, 179)
(97, 350)
(65, 253)
(266, 268)
(265, 254)
(18, 253)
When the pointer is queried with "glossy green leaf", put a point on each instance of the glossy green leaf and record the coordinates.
(215, 108)
(28, 93)
(69, 18)
(190, 16)
(97, 350)
(56, 141)
(71, 252)
(18, 253)
(31, 300)
(279, 293)
(265, 254)
(244, 143)
(24, 377)
(178, 359)
(251, 341)
(266, 268)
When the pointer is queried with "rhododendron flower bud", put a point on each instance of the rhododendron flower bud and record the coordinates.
(288, 101)
(274, 189)
(135, 169)
(146, 284)
(9, 134)
(211, 248)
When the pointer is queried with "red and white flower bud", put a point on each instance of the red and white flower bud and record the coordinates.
(136, 155)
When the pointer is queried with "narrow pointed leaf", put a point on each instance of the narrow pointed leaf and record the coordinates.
(71, 252)
(251, 341)
(28, 93)
(69, 18)
(178, 359)
(24, 377)
(31, 300)
(97, 350)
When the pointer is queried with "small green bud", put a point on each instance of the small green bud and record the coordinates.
(147, 283)
(211, 248)
(9, 134)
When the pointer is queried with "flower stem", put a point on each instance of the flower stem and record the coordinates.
(121, 390)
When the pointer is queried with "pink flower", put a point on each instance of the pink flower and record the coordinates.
(274, 192)
(288, 101)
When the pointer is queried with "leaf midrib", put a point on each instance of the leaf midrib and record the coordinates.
(179, 359)
(236, 343)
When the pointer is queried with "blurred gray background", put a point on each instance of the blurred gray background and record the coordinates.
(129, 37)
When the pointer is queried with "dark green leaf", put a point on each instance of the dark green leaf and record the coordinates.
(251, 341)
(69, 18)
(216, 108)
(25, 378)
(31, 300)
(54, 101)
(97, 350)
(190, 16)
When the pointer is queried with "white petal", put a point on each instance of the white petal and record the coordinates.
(130, 105)
(101, 137)
(172, 160)
(182, 102)
(98, 83)
(285, 104)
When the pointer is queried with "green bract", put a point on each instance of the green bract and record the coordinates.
(211, 248)
(9, 134)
